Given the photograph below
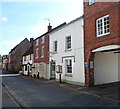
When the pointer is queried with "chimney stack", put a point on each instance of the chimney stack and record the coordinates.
(49, 27)
(31, 40)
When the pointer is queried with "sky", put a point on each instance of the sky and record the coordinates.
(29, 19)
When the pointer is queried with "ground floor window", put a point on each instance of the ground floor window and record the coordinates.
(68, 65)
(41, 67)
(30, 67)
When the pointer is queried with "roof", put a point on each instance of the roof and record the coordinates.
(17, 45)
(29, 51)
(52, 30)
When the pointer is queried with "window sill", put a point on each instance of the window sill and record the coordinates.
(68, 50)
(55, 52)
(68, 75)
(103, 35)
(42, 57)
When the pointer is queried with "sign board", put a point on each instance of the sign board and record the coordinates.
(59, 68)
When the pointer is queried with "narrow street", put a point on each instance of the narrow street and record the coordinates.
(20, 91)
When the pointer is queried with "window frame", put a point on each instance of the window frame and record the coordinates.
(42, 39)
(66, 42)
(92, 2)
(66, 66)
(37, 42)
(42, 51)
(55, 46)
(103, 25)
(36, 51)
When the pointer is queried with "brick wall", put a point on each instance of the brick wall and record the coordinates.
(91, 14)
(46, 50)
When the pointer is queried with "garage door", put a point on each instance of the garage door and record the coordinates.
(105, 67)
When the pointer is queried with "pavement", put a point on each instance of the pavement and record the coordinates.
(109, 91)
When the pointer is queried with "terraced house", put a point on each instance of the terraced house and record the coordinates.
(102, 41)
(67, 52)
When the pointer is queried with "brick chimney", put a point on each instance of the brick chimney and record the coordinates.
(49, 27)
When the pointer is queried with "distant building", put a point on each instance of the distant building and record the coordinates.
(5, 62)
(15, 55)
(0, 62)
(28, 61)
(102, 41)
(67, 53)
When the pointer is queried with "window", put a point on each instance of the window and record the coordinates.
(55, 46)
(42, 51)
(103, 26)
(37, 41)
(68, 42)
(36, 52)
(68, 66)
(92, 1)
(30, 67)
(43, 39)
(41, 67)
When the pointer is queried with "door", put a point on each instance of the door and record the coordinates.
(52, 71)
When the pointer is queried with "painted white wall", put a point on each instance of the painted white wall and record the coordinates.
(26, 63)
(74, 29)
(105, 67)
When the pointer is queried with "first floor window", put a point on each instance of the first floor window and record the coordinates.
(92, 1)
(42, 51)
(36, 52)
(68, 66)
(103, 26)
(55, 46)
(68, 42)
(37, 42)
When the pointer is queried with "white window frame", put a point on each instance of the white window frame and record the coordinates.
(55, 46)
(66, 43)
(37, 42)
(42, 51)
(42, 39)
(103, 29)
(43, 67)
(92, 2)
(36, 53)
(66, 67)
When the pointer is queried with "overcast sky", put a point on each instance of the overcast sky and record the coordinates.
(30, 19)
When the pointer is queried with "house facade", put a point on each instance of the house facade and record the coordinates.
(102, 41)
(27, 62)
(5, 62)
(67, 53)
(41, 55)
(15, 55)
(0, 62)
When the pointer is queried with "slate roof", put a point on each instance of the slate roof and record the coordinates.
(29, 51)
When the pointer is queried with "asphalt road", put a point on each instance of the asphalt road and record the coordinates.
(21, 91)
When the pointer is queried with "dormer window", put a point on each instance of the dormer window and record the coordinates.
(92, 1)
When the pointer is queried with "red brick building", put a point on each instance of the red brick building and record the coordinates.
(41, 54)
(102, 41)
